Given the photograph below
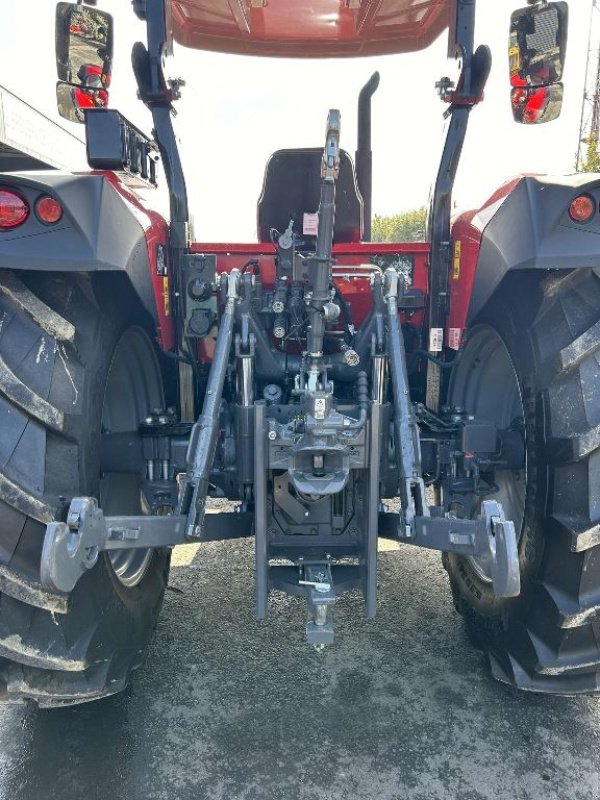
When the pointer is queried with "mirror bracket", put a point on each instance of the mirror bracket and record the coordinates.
(115, 144)
(158, 96)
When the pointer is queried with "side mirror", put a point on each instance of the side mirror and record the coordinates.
(84, 51)
(537, 49)
(72, 100)
(537, 104)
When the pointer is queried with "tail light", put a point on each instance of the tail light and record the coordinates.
(48, 210)
(582, 208)
(13, 210)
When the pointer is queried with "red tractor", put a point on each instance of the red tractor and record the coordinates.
(305, 376)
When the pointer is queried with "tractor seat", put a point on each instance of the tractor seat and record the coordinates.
(292, 187)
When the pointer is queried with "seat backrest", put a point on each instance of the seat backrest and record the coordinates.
(292, 187)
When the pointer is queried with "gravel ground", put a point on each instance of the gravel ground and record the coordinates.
(227, 708)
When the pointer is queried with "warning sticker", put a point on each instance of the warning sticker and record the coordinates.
(166, 297)
(454, 337)
(436, 340)
(320, 408)
(310, 224)
(456, 261)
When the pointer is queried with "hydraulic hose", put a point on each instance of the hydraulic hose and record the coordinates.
(362, 387)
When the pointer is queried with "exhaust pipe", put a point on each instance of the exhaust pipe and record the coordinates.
(364, 155)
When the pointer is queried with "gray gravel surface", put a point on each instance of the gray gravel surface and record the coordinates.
(227, 708)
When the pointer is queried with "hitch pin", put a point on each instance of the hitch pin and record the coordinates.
(319, 587)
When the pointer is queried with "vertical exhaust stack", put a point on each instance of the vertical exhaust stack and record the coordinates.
(364, 155)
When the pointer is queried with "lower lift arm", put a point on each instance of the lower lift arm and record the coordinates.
(492, 536)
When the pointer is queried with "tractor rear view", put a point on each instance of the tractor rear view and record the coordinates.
(305, 376)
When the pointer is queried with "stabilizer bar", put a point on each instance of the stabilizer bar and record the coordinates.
(201, 450)
(408, 450)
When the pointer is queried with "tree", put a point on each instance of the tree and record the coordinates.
(409, 226)
(591, 163)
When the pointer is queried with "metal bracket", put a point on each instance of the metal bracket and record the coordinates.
(197, 299)
(71, 548)
(330, 166)
(115, 143)
(502, 550)
(491, 537)
(321, 594)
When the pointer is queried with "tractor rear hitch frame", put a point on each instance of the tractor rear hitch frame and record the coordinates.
(73, 547)
(310, 511)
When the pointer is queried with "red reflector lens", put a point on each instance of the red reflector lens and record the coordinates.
(13, 210)
(582, 209)
(48, 210)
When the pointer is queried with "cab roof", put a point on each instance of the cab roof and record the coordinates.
(310, 28)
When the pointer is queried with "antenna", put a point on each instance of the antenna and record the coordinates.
(588, 153)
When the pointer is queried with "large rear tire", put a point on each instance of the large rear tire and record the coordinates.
(71, 367)
(546, 332)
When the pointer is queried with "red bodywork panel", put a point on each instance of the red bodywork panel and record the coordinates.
(356, 291)
(156, 229)
(310, 28)
(467, 230)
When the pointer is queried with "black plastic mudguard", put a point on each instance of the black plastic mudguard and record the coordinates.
(531, 229)
(99, 231)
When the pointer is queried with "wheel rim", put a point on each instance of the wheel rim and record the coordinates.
(485, 384)
(133, 389)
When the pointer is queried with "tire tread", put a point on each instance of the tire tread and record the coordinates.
(548, 640)
(58, 650)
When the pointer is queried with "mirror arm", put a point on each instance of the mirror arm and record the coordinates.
(158, 96)
(461, 44)
(167, 145)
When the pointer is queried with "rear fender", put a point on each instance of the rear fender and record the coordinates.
(524, 226)
(104, 228)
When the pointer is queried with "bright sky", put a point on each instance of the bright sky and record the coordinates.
(236, 110)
